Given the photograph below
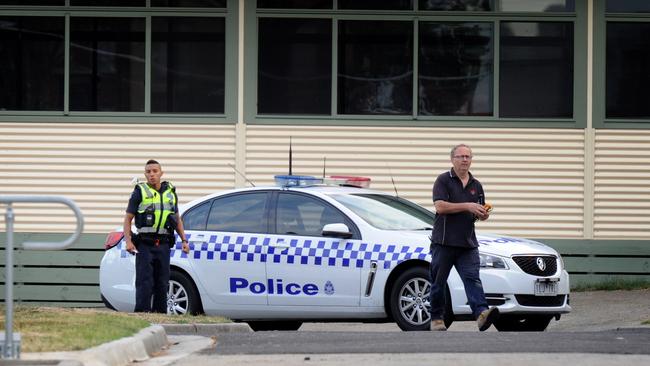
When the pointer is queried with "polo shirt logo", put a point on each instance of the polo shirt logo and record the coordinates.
(472, 191)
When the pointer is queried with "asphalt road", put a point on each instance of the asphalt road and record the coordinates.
(627, 341)
(603, 329)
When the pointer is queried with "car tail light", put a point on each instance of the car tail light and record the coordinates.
(112, 239)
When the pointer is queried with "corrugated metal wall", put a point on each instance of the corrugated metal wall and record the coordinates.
(93, 164)
(534, 177)
(622, 184)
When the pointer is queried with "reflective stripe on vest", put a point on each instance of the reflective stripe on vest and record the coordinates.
(162, 206)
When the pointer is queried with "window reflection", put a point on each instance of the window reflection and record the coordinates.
(538, 5)
(303, 215)
(107, 64)
(31, 71)
(455, 69)
(376, 4)
(239, 213)
(456, 5)
(536, 69)
(375, 67)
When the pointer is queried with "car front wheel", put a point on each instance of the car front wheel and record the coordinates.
(522, 323)
(409, 300)
(182, 297)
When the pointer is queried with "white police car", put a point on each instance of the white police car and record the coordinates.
(279, 256)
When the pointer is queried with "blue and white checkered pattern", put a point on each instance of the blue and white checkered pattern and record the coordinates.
(300, 251)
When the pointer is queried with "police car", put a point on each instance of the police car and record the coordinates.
(301, 251)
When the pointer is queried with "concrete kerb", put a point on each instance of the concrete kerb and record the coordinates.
(147, 343)
(206, 330)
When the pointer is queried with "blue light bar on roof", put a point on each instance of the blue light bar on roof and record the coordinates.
(296, 180)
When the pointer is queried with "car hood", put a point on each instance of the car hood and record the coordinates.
(488, 243)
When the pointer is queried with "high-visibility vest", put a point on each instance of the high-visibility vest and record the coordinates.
(155, 208)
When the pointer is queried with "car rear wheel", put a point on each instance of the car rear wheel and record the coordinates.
(409, 300)
(182, 296)
(274, 325)
(522, 323)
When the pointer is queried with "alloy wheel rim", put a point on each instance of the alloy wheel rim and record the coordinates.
(177, 301)
(414, 304)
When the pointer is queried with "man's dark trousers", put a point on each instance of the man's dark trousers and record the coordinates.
(467, 263)
(151, 277)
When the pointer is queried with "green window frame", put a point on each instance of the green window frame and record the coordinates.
(230, 14)
(601, 20)
(577, 18)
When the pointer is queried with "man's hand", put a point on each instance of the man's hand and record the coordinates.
(186, 248)
(478, 211)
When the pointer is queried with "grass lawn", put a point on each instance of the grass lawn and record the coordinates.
(49, 329)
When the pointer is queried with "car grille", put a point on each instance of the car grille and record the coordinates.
(541, 301)
(529, 265)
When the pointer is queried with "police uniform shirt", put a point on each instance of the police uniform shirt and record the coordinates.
(136, 198)
(456, 229)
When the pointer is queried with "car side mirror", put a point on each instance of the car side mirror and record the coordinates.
(337, 231)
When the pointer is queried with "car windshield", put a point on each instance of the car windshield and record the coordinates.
(387, 212)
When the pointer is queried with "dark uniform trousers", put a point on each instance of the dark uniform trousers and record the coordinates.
(151, 276)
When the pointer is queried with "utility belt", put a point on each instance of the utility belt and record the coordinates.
(153, 240)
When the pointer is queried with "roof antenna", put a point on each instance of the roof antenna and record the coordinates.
(290, 153)
(238, 172)
(392, 180)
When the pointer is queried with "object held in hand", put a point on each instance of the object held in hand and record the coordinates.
(488, 207)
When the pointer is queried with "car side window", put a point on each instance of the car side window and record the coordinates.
(239, 213)
(196, 218)
(303, 215)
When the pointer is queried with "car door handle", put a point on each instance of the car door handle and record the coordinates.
(197, 239)
(280, 243)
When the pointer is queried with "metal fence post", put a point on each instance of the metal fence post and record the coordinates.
(8, 351)
(11, 345)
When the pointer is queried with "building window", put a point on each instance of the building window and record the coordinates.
(427, 60)
(375, 67)
(295, 66)
(628, 70)
(107, 64)
(187, 65)
(536, 70)
(31, 71)
(455, 69)
(124, 58)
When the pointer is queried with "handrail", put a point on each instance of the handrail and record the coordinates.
(35, 245)
(11, 347)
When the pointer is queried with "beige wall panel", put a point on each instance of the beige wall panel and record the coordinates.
(534, 177)
(93, 164)
(622, 184)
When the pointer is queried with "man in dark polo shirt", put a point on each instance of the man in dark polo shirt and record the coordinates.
(459, 201)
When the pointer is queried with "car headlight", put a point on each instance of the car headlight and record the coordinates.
(561, 261)
(492, 261)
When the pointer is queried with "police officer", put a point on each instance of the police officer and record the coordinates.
(154, 205)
